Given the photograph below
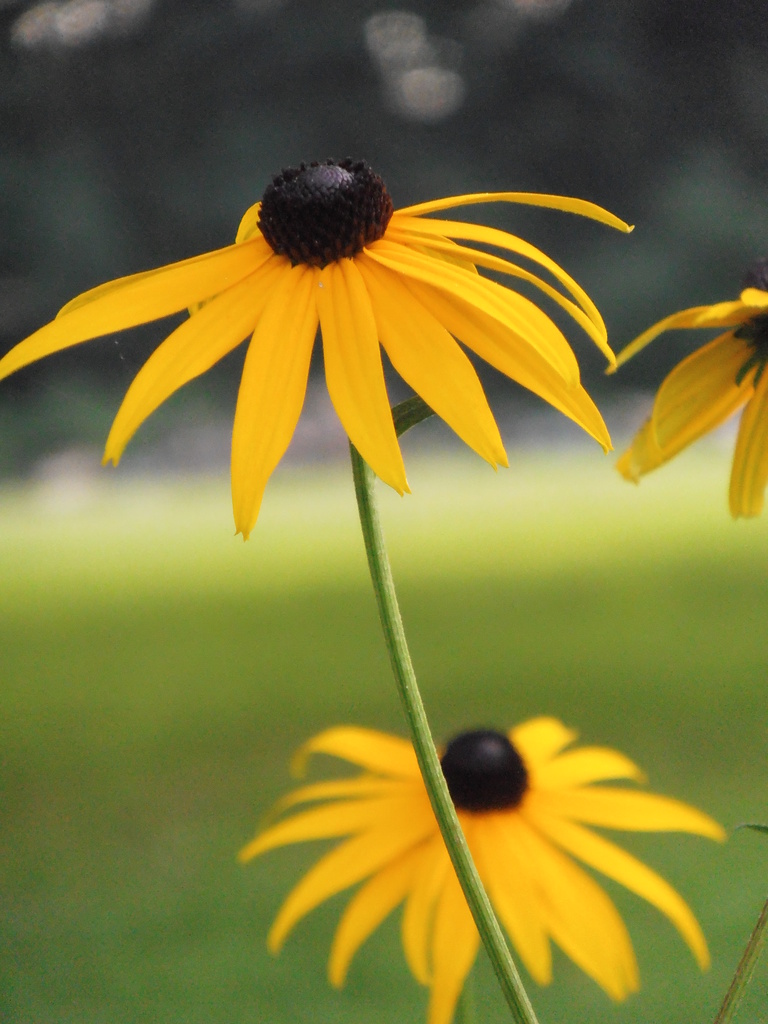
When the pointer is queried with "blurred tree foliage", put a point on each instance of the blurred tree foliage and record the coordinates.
(141, 135)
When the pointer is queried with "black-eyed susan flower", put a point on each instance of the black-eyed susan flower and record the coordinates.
(708, 386)
(523, 800)
(325, 247)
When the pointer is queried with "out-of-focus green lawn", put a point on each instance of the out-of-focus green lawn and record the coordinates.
(157, 673)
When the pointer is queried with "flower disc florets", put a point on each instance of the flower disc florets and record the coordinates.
(484, 771)
(321, 212)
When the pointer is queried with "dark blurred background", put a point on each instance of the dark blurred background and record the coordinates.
(136, 132)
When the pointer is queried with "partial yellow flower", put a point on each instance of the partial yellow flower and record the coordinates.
(707, 387)
(523, 800)
(325, 247)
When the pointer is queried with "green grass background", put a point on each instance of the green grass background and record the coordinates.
(157, 673)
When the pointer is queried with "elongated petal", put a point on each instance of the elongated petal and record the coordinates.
(354, 372)
(697, 396)
(340, 818)
(626, 809)
(503, 240)
(192, 349)
(579, 915)
(368, 748)
(749, 473)
(700, 393)
(454, 948)
(565, 203)
(449, 251)
(511, 355)
(362, 785)
(136, 300)
(597, 334)
(507, 875)
(272, 389)
(643, 455)
(249, 225)
(755, 297)
(697, 316)
(427, 357)
(368, 908)
(354, 860)
(540, 739)
(587, 764)
(418, 915)
(531, 326)
(616, 863)
(726, 314)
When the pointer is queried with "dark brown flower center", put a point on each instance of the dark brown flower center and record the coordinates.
(484, 771)
(321, 212)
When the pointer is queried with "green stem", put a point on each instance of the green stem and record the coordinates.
(394, 635)
(744, 971)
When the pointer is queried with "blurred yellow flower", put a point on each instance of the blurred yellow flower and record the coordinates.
(710, 385)
(324, 246)
(522, 800)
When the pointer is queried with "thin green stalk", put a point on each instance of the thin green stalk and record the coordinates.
(394, 635)
(744, 971)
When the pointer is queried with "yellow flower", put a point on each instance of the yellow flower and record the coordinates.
(710, 385)
(324, 246)
(522, 800)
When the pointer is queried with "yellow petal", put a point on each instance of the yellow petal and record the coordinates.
(696, 316)
(539, 739)
(725, 314)
(449, 251)
(518, 314)
(626, 809)
(361, 785)
(749, 473)
(697, 396)
(502, 239)
(136, 300)
(249, 225)
(564, 203)
(454, 948)
(700, 393)
(272, 389)
(579, 915)
(368, 748)
(616, 863)
(587, 764)
(507, 352)
(428, 358)
(507, 876)
(643, 455)
(337, 819)
(192, 349)
(355, 859)
(368, 908)
(418, 915)
(754, 297)
(354, 372)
